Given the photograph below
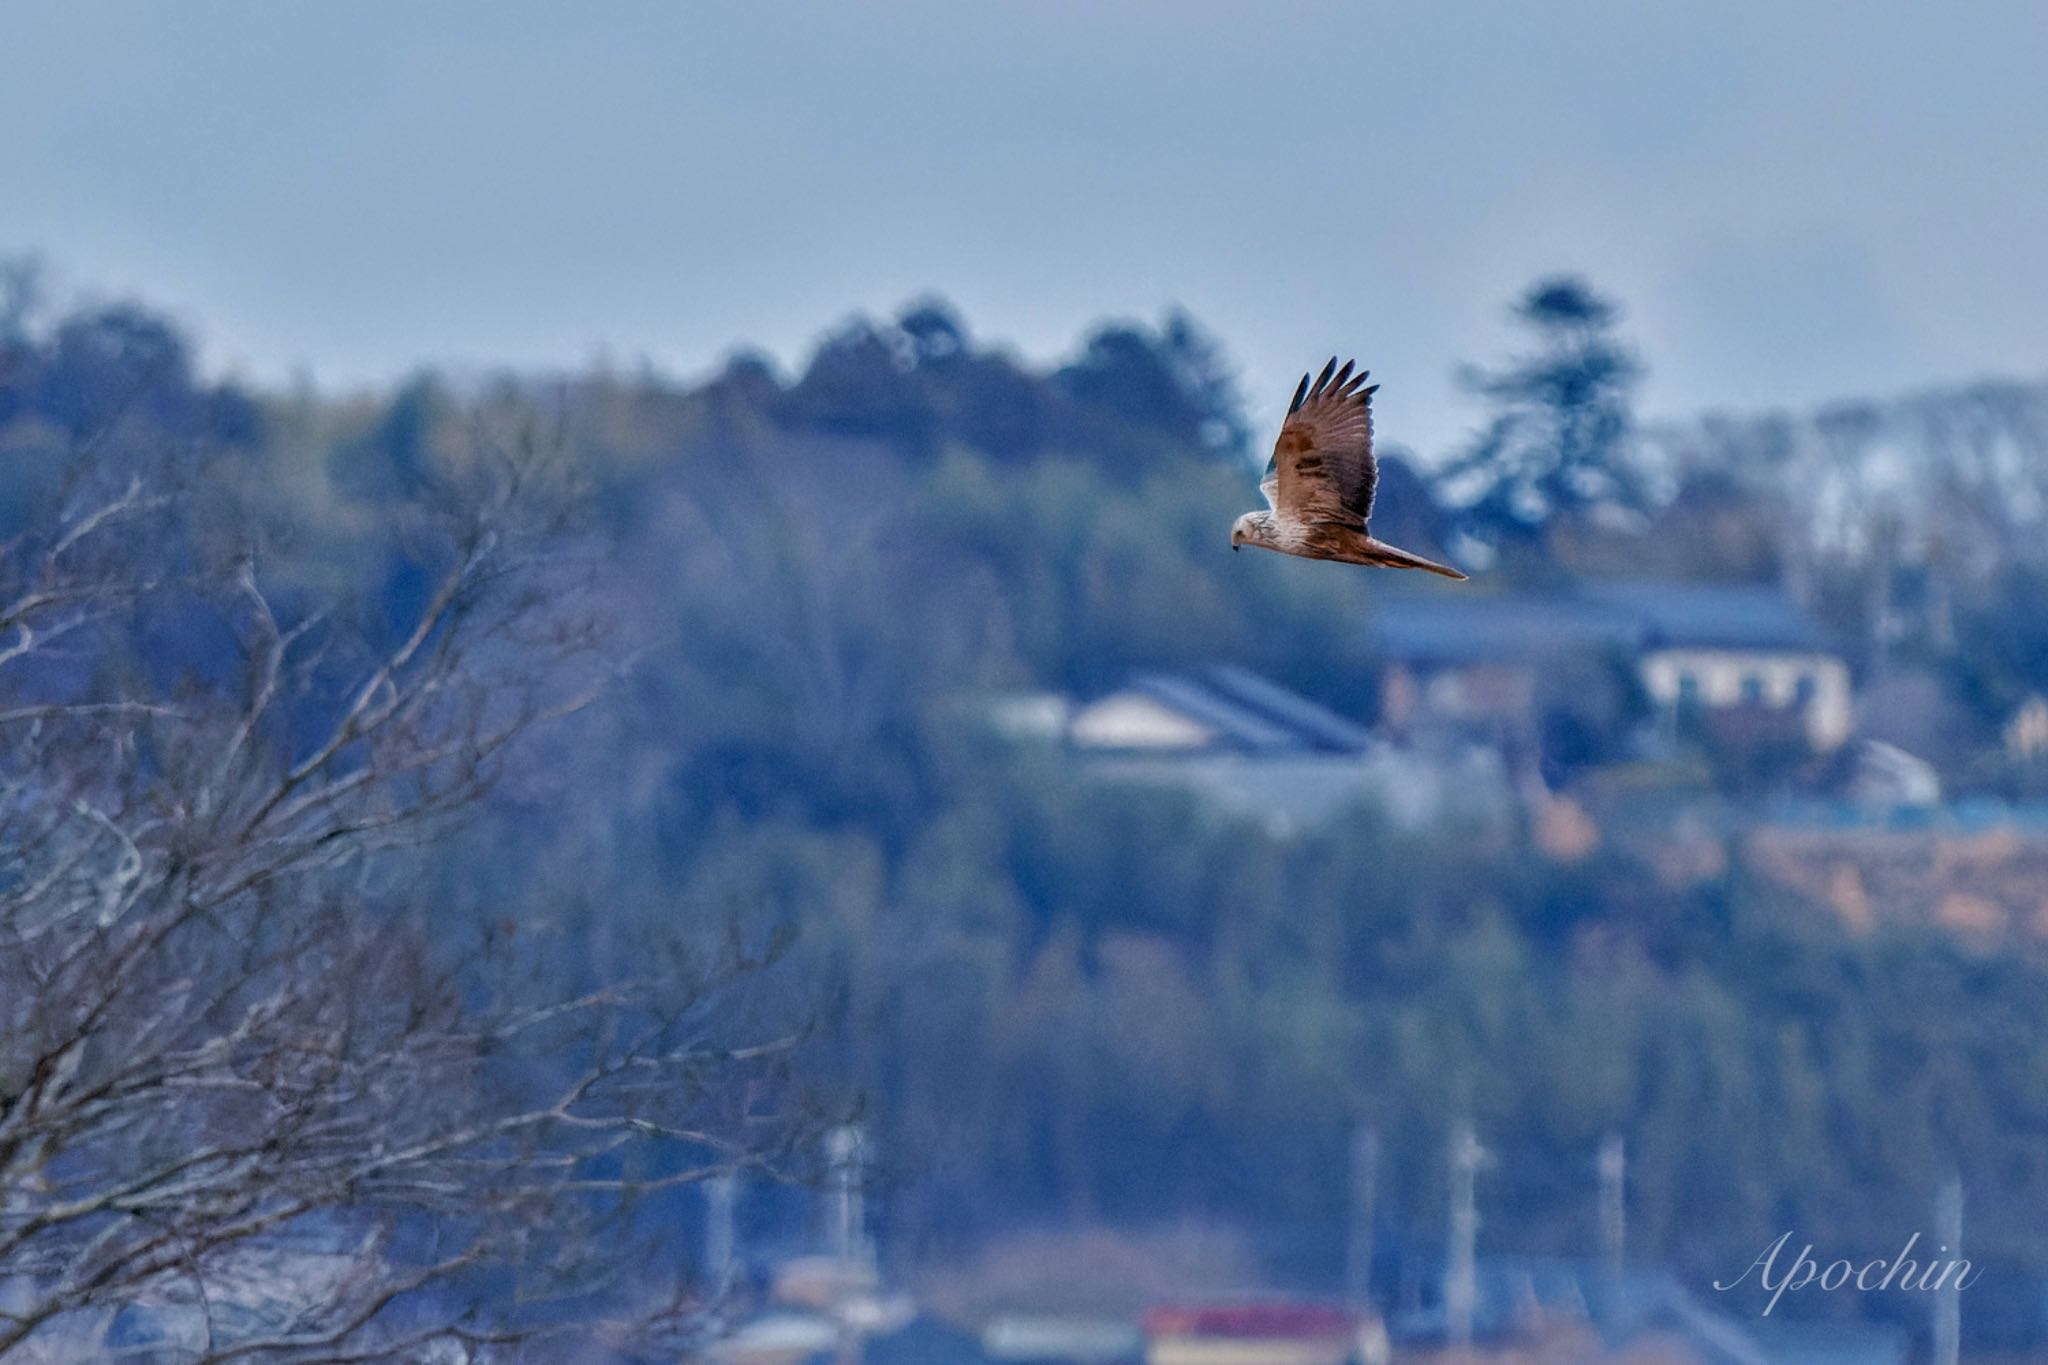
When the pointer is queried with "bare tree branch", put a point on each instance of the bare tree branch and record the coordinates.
(228, 1074)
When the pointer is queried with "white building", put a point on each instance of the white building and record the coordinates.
(1813, 683)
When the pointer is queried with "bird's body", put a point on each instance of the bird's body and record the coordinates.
(1319, 484)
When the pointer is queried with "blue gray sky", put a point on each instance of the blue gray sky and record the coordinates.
(1794, 201)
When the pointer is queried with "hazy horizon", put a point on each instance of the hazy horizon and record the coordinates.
(353, 193)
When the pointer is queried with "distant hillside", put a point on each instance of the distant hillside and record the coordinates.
(1958, 475)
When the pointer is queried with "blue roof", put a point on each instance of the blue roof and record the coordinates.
(1734, 615)
(1618, 1308)
(1251, 713)
(1477, 626)
(1324, 728)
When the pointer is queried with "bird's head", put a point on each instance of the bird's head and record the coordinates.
(1245, 531)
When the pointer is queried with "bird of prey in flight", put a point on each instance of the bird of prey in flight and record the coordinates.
(1319, 483)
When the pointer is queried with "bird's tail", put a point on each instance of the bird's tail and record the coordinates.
(1394, 557)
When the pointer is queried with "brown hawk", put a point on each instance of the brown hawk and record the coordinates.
(1320, 481)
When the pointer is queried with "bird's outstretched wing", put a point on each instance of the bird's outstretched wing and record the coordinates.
(1322, 467)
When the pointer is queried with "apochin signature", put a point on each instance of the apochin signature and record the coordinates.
(1870, 1277)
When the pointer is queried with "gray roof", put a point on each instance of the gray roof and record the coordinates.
(1521, 626)
(1640, 1301)
(1325, 728)
(1736, 615)
(1833, 1343)
(1252, 714)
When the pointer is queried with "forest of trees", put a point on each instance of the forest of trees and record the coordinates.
(768, 610)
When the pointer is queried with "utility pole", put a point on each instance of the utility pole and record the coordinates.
(721, 1194)
(1613, 1204)
(1948, 1301)
(1461, 1279)
(1365, 1164)
(846, 1149)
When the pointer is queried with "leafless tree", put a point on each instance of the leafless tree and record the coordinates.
(244, 1093)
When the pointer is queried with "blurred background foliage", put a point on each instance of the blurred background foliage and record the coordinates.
(1064, 1000)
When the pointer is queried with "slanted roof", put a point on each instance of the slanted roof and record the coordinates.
(1833, 1343)
(1526, 627)
(1053, 1336)
(1249, 713)
(1638, 1303)
(1234, 726)
(1643, 1302)
(1325, 727)
(924, 1340)
(1446, 628)
(1735, 616)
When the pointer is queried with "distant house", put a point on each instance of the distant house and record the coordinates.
(260, 1289)
(779, 1338)
(1061, 1339)
(2026, 732)
(1243, 742)
(1886, 777)
(924, 1340)
(1531, 1308)
(1259, 1333)
(1217, 709)
(1474, 659)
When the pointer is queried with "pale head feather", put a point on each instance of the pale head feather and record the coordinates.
(1253, 528)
